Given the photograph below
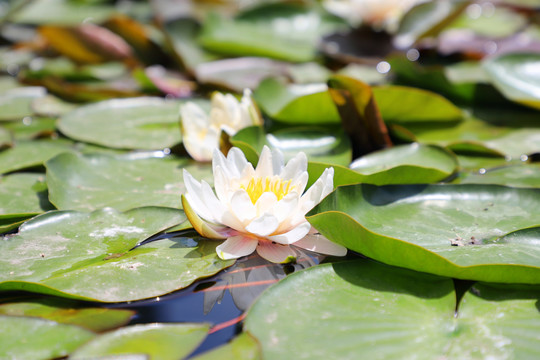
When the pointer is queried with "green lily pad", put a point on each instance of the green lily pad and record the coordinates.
(490, 128)
(281, 31)
(515, 76)
(27, 154)
(415, 105)
(16, 103)
(121, 182)
(495, 23)
(362, 309)
(329, 145)
(450, 230)
(135, 123)
(524, 175)
(31, 128)
(50, 105)
(69, 312)
(402, 164)
(157, 341)
(62, 12)
(21, 197)
(89, 255)
(31, 338)
(296, 103)
(427, 19)
(5, 138)
(244, 347)
(406, 164)
(181, 36)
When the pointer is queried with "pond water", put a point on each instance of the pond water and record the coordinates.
(220, 300)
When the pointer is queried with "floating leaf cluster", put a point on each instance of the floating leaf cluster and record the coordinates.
(427, 113)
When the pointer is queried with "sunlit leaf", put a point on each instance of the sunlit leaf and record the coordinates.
(122, 182)
(21, 197)
(281, 31)
(31, 127)
(90, 255)
(325, 144)
(27, 154)
(401, 105)
(158, 341)
(296, 103)
(243, 347)
(515, 76)
(525, 175)
(69, 312)
(137, 123)
(16, 103)
(451, 230)
(39, 339)
(362, 309)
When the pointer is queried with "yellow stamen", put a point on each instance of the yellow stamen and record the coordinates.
(257, 186)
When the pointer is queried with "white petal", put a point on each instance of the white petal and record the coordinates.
(194, 196)
(318, 243)
(193, 117)
(284, 207)
(215, 207)
(202, 148)
(236, 246)
(320, 189)
(276, 253)
(263, 225)
(221, 184)
(265, 167)
(237, 160)
(300, 182)
(294, 167)
(293, 235)
(265, 202)
(242, 207)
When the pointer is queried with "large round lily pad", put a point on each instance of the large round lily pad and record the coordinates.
(515, 75)
(89, 256)
(38, 339)
(450, 230)
(157, 341)
(135, 123)
(121, 182)
(362, 309)
(522, 175)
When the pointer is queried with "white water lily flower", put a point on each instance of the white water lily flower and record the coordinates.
(201, 131)
(260, 209)
(379, 14)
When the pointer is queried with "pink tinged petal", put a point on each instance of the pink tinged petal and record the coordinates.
(276, 253)
(318, 243)
(293, 235)
(194, 196)
(263, 225)
(265, 203)
(264, 167)
(236, 246)
(242, 207)
(294, 167)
